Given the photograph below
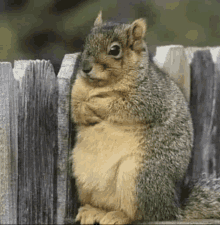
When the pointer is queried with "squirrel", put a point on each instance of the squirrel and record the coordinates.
(134, 134)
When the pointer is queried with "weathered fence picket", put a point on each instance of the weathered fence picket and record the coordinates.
(37, 135)
(37, 142)
(66, 189)
(8, 145)
(205, 110)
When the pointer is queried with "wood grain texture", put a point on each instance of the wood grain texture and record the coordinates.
(37, 142)
(8, 150)
(67, 195)
(204, 104)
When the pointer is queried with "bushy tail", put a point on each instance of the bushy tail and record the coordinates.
(203, 200)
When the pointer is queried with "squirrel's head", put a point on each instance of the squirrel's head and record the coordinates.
(112, 51)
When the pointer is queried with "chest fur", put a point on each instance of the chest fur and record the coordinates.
(99, 152)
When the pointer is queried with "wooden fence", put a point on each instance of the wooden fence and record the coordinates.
(37, 135)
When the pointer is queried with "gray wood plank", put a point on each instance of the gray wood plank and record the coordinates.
(8, 150)
(203, 110)
(215, 52)
(37, 142)
(67, 196)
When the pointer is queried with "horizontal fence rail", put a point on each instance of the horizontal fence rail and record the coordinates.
(37, 135)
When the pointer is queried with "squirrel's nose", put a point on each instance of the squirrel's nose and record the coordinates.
(87, 66)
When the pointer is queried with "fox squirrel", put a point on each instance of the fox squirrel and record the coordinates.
(134, 133)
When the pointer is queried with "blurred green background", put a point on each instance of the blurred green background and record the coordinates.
(49, 29)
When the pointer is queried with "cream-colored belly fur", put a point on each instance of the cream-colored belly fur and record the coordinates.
(106, 159)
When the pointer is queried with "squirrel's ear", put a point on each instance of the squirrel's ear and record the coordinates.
(137, 29)
(98, 21)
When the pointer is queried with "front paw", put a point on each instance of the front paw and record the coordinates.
(84, 115)
(115, 217)
(89, 215)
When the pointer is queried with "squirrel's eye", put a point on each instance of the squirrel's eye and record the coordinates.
(115, 50)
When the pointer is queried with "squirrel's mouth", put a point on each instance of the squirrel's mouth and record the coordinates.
(98, 82)
(94, 80)
(104, 94)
